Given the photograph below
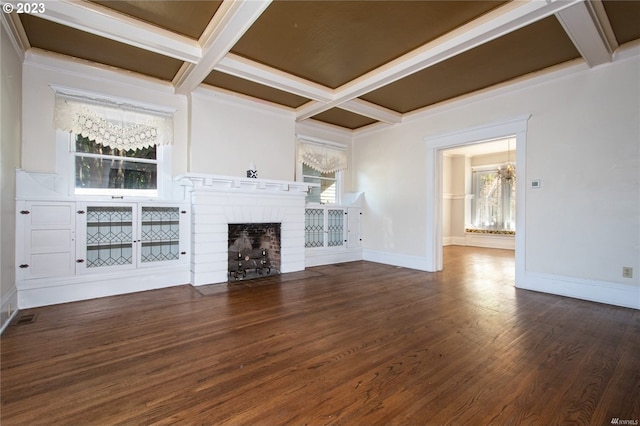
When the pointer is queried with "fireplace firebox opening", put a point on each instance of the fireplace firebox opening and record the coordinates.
(254, 250)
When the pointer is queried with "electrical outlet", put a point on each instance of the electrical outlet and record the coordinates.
(627, 272)
(9, 310)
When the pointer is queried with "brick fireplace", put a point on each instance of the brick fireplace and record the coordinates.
(221, 201)
(254, 250)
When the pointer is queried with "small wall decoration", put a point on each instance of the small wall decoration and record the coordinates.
(252, 172)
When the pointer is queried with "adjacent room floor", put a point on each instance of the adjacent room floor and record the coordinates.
(354, 343)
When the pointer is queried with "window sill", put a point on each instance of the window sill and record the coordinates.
(489, 231)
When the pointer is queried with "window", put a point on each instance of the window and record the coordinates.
(322, 164)
(117, 148)
(103, 170)
(327, 192)
(494, 200)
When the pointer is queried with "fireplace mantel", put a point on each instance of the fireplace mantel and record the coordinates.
(200, 181)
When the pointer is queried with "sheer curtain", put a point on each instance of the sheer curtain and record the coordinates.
(111, 124)
(323, 158)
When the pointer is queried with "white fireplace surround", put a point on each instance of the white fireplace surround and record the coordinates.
(218, 201)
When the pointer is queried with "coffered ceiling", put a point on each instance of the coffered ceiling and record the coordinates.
(350, 64)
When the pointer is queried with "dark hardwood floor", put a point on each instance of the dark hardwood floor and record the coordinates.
(357, 343)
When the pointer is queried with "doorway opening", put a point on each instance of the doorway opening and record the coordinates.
(513, 128)
(479, 194)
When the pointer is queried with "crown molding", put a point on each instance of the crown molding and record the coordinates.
(233, 98)
(99, 73)
(15, 31)
(317, 130)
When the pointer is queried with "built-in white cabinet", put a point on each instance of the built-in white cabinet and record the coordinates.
(125, 236)
(354, 220)
(332, 234)
(76, 250)
(45, 239)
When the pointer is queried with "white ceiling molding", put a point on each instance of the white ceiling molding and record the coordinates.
(15, 31)
(586, 30)
(104, 22)
(98, 74)
(506, 19)
(371, 110)
(231, 21)
(241, 67)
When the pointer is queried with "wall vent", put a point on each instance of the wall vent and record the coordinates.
(26, 319)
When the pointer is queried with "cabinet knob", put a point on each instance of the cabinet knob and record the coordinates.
(24, 265)
(80, 212)
(183, 252)
(24, 212)
(80, 261)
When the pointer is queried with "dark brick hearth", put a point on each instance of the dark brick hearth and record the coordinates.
(254, 250)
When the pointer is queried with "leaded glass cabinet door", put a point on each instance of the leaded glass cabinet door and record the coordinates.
(335, 227)
(159, 234)
(109, 237)
(314, 228)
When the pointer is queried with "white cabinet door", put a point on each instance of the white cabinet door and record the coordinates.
(163, 234)
(107, 237)
(354, 237)
(46, 239)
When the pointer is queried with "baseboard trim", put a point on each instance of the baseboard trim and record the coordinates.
(396, 259)
(84, 287)
(627, 296)
(9, 299)
(331, 256)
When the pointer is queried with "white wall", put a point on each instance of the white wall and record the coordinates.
(10, 128)
(447, 199)
(42, 70)
(227, 133)
(458, 172)
(583, 142)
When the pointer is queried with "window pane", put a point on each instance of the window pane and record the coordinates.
(118, 174)
(314, 194)
(85, 145)
(494, 201)
(326, 193)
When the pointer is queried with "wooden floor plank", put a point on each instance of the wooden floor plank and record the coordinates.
(356, 343)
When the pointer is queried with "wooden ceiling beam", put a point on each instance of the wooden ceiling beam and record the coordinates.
(368, 109)
(231, 21)
(249, 70)
(588, 27)
(104, 22)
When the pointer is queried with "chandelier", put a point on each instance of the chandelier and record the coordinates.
(509, 171)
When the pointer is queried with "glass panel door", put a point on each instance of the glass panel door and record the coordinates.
(160, 234)
(109, 236)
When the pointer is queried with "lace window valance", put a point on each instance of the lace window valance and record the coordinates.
(322, 158)
(111, 124)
